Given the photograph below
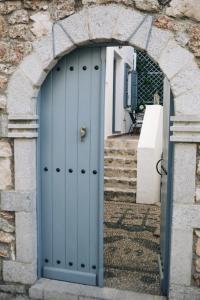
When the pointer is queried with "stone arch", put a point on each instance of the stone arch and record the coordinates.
(106, 24)
(92, 25)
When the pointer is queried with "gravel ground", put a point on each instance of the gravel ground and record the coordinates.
(131, 248)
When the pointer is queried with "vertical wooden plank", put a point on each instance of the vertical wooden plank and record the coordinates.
(71, 160)
(94, 155)
(58, 157)
(100, 279)
(84, 159)
(46, 169)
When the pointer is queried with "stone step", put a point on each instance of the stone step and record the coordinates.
(120, 182)
(120, 152)
(120, 194)
(115, 161)
(120, 172)
(121, 143)
(44, 289)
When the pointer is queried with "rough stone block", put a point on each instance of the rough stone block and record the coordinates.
(3, 125)
(20, 94)
(186, 8)
(187, 79)
(140, 38)
(181, 257)
(3, 101)
(23, 273)
(174, 58)
(18, 201)
(36, 74)
(36, 290)
(44, 49)
(62, 43)
(5, 174)
(102, 21)
(5, 149)
(25, 164)
(186, 217)
(185, 103)
(184, 182)
(13, 288)
(154, 48)
(77, 27)
(123, 29)
(26, 240)
(42, 24)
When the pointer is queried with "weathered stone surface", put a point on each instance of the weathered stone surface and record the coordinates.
(197, 195)
(17, 201)
(3, 82)
(194, 39)
(41, 24)
(164, 22)
(198, 247)
(147, 5)
(13, 288)
(14, 51)
(25, 237)
(5, 174)
(184, 8)
(14, 271)
(197, 233)
(126, 2)
(6, 237)
(60, 9)
(18, 16)
(3, 27)
(6, 68)
(6, 226)
(197, 279)
(197, 265)
(2, 102)
(20, 31)
(36, 4)
(9, 6)
(7, 215)
(5, 149)
(173, 59)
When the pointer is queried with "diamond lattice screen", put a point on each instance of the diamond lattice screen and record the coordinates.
(150, 79)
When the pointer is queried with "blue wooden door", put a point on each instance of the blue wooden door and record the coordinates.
(71, 166)
(166, 186)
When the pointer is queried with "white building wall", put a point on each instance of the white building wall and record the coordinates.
(122, 120)
(148, 153)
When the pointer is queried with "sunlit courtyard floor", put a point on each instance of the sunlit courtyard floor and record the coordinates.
(131, 247)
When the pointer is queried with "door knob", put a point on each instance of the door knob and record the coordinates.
(83, 132)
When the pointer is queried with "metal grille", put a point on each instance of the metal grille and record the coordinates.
(150, 79)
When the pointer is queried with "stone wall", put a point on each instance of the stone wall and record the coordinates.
(24, 21)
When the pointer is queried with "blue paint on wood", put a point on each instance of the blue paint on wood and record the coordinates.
(71, 168)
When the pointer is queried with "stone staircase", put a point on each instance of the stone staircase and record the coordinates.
(120, 170)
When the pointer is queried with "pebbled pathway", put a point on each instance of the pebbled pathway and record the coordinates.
(131, 248)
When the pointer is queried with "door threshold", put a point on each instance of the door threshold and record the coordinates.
(45, 289)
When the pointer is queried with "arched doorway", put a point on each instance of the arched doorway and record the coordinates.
(176, 63)
(71, 150)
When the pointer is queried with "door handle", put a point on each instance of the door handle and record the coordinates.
(83, 132)
(160, 160)
(162, 168)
